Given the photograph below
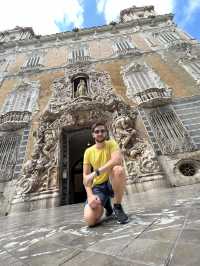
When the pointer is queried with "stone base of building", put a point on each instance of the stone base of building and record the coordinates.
(34, 201)
(147, 183)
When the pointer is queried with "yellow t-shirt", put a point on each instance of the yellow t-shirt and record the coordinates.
(99, 157)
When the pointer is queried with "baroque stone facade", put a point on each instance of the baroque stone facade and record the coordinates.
(140, 75)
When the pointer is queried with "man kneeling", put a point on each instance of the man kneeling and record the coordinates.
(106, 160)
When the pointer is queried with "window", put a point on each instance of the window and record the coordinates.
(139, 78)
(33, 61)
(122, 45)
(163, 37)
(8, 154)
(78, 54)
(22, 99)
(193, 67)
(169, 131)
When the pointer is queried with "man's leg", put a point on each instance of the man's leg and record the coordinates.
(118, 180)
(93, 216)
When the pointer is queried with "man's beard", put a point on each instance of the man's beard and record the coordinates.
(101, 140)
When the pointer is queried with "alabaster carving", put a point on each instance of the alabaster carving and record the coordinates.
(140, 159)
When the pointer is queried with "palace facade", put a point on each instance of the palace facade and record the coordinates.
(141, 75)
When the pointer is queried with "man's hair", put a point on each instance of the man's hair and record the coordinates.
(98, 123)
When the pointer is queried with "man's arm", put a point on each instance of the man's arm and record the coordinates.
(93, 200)
(116, 159)
(86, 173)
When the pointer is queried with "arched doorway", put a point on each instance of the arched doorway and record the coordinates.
(73, 144)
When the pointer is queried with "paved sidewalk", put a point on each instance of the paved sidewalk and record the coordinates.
(164, 229)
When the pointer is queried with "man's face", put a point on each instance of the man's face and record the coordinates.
(99, 134)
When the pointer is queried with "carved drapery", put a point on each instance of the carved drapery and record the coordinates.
(66, 111)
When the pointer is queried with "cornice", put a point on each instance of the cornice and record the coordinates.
(37, 39)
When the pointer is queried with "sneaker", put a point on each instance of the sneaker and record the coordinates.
(108, 207)
(120, 215)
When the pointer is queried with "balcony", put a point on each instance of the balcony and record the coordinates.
(130, 51)
(14, 120)
(79, 59)
(153, 97)
(36, 68)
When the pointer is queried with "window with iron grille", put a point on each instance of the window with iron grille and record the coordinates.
(9, 145)
(169, 132)
(33, 61)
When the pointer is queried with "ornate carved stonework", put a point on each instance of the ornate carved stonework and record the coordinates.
(137, 13)
(140, 159)
(154, 97)
(14, 120)
(65, 110)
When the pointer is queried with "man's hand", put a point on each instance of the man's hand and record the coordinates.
(94, 201)
(88, 179)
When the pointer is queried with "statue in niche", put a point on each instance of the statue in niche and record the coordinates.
(127, 138)
(81, 89)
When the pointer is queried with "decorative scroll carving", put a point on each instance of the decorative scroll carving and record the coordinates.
(139, 157)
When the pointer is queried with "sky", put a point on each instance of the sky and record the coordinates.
(52, 16)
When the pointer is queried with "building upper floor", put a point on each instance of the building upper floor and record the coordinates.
(138, 31)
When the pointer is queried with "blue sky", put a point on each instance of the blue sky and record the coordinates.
(47, 17)
(187, 14)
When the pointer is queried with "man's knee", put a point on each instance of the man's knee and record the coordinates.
(118, 170)
(90, 221)
(91, 216)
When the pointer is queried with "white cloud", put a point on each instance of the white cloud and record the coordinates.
(40, 14)
(111, 8)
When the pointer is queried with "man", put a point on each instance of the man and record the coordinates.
(105, 158)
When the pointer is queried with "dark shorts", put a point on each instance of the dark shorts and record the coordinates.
(104, 191)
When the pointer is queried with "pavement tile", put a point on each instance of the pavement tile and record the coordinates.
(186, 254)
(59, 236)
(91, 258)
